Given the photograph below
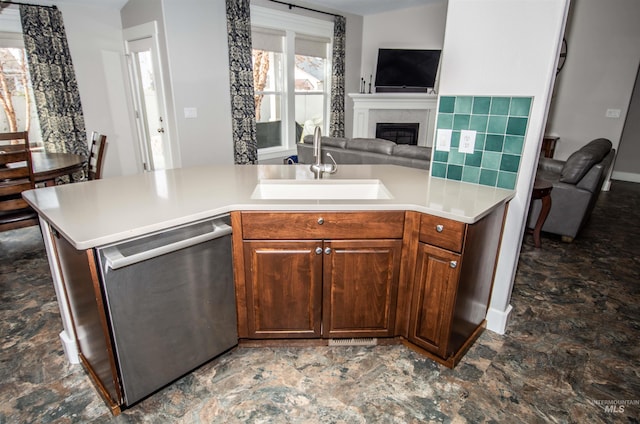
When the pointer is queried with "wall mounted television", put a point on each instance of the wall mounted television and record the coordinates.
(406, 70)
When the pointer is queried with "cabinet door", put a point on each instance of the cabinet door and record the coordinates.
(284, 288)
(435, 284)
(360, 287)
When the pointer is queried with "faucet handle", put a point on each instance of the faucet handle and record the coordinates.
(334, 166)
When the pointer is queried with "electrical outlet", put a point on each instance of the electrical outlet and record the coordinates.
(613, 113)
(467, 141)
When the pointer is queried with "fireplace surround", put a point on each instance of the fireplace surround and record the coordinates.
(370, 109)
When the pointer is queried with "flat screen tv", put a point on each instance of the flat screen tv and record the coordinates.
(405, 70)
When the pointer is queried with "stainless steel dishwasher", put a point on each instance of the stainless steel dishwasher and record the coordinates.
(171, 303)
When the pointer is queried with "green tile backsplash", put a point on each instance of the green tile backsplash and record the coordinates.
(500, 123)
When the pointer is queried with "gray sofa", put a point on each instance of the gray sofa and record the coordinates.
(366, 151)
(576, 185)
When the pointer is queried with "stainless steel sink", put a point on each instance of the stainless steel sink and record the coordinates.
(321, 190)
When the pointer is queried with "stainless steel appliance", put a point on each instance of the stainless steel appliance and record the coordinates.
(171, 303)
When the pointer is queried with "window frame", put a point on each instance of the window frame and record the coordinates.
(293, 24)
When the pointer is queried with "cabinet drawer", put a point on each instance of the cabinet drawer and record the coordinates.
(322, 224)
(442, 232)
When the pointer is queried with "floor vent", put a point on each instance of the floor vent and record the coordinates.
(371, 341)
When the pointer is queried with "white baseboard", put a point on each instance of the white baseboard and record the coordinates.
(497, 321)
(626, 176)
(70, 348)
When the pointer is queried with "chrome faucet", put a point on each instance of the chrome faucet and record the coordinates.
(318, 168)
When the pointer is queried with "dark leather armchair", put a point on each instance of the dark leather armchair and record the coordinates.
(576, 185)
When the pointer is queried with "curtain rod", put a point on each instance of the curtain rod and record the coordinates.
(291, 6)
(17, 3)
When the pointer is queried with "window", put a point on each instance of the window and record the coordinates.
(291, 72)
(16, 95)
(269, 86)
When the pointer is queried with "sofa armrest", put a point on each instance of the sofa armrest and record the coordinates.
(550, 165)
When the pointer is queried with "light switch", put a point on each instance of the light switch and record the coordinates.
(467, 141)
(443, 140)
(190, 112)
(613, 113)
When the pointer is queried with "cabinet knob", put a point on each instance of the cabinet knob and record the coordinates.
(453, 264)
(320, 221)
(439, 228)
(327, 251)
(318, 250)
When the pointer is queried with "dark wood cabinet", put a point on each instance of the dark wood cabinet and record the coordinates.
(423, 279)
(454, 271)
(283, 288)
(434, 292)
(333, 286)
(360, 287)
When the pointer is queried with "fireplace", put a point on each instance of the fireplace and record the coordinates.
(400, 108)
(398, 132)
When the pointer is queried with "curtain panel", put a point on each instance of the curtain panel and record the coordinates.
(336, 122)
(243, 110)
(54, 82)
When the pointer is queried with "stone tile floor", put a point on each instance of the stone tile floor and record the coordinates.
(572, 342)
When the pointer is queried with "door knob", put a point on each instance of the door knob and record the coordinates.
(453, 264)
(327, 251)
(439, 228)
(320, 221)
(318, 250)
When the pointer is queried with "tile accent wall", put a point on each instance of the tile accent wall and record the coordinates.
(500, 124)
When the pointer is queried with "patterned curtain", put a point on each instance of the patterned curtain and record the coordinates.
(336, 123)
(243, 114)
(54, 81)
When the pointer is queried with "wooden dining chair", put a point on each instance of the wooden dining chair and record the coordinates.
(96, 155)
(16, 176)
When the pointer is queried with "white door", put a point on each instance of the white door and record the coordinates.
(148, 97)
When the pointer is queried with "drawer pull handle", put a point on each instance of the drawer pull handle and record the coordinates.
(453, 264)
(318, 250)
(439, 228)
(327, 251)
(320, 221)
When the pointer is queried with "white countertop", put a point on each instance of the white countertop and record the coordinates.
(96, 213)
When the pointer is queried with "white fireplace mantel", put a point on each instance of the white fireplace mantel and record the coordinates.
(420, 107)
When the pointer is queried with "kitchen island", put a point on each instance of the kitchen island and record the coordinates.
(424, 249)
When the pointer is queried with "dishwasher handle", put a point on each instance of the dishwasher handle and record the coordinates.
(115, 259)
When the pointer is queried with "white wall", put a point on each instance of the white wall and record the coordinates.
(94, 34)
(599, 74)
(196, 36)
(506, 47)
(414, 28)
(627, 166)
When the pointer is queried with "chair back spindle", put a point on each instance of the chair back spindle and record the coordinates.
(16, 176)
(96, 155)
